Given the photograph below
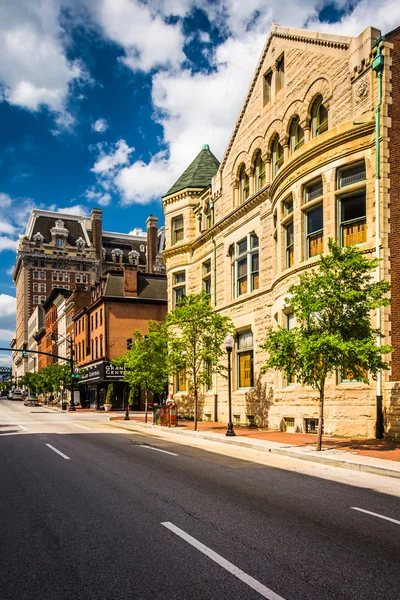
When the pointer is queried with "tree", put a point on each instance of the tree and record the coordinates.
(195, 337)
(146, 362)
(332, 306)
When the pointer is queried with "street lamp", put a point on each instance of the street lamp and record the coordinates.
(228, 343)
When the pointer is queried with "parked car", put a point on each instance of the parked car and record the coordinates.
(16, 395)
(31, 401)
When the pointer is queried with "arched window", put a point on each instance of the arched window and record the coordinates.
(243, 185)
(277, 157)
(319, 117)
(296, 135)
(259, 172)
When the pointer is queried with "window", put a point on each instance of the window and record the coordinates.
(208, 218)
(35, 287)
(97, 348)
(351, 175)
(311, 425)
(96, 320)
(289, 245)
(91, 322)
(352, 219)
(83, 350)
(243, 185)
(42, 287)
(277, 157)
(280, 74)
(287, 206)
(42, 275)
(348, 376)
(259, 172)
(101, 346)
(313, 190)
(92, 349)
(246, 266)
(60, 243)
(142, 248)
(207, 277)
(101, 316)
(35, 275)
(314, 231)
(177, 229)
(179, 286)
(35, 262)
(55, 276)
(181, 384)
(84, 278)
(268, 87)
(129, 343)
(66, 277)
(296, 135)
(245, 366)
(319, 117)
(35, 299)
(77, 278)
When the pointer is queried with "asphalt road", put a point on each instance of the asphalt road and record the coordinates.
(121, 515)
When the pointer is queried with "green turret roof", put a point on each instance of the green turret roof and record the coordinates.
(199, 173)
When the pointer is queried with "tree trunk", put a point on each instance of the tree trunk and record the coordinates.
(195, 403)
(320, 419)
(145, 405)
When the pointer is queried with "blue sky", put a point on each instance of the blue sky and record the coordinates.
(105, 102)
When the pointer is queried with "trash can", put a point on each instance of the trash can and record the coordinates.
(156, 414)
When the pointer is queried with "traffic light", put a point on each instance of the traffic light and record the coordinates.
(24, 351)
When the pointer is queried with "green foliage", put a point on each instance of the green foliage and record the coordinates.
(48, 379)
(110, 394)
(146, 362)
(195, 337)
(332, 305)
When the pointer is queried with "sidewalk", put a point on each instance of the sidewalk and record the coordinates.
(381, 457)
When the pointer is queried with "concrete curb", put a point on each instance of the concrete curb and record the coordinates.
(272, 448)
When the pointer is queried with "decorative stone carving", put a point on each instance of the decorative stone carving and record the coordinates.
(80, 243)
(134, 257)
(362, 94)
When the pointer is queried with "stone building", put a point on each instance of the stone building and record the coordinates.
(299, 169)
(71, 251)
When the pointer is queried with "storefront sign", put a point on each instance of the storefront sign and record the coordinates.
(104, 371)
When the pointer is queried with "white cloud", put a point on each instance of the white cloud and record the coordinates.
(7, 243)
(34, 69)
(7, 228)
(101, 198)
(384, 15)
(100, 126)
(6, 334)
(5, 360)
(7, 316)
(78, 209)
(147, 39)
(106, 164)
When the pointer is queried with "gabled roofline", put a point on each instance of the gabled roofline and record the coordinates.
(298, 35)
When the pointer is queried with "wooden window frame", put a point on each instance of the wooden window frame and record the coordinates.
(241, 354)
(178, 233)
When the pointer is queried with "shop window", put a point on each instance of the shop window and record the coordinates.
(280, 74)
(314, 231)
(296, 135)
(246, 266)
(178, 287)
(245, 359)
(243, 185)
(259, 173)
(206, 267)
(352, 219)
(277, 157)
(350, 175)
(289, 244)
(268, 87)
(319, 117)
(177, 230)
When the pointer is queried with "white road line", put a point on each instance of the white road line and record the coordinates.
(83, 426)
(58, 452)
(368, 512)
(158, 450)
(250, 581)
(22, 427)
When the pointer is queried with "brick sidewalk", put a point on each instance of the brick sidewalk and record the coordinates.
(386, 449)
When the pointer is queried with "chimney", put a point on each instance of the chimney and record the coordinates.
(96, 218)
(152, 239)
(130, 281)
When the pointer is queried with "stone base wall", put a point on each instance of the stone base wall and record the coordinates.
(391, 409)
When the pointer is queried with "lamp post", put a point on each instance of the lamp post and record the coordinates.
(126, 418)
(228, 343)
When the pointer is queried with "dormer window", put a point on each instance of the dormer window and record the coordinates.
(60, 243)
(117, 256)
(38, 239)
(80, 244)
(134, 257)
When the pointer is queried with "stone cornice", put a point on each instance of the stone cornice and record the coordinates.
(321, 150)
(227, 220)
(192, 192)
